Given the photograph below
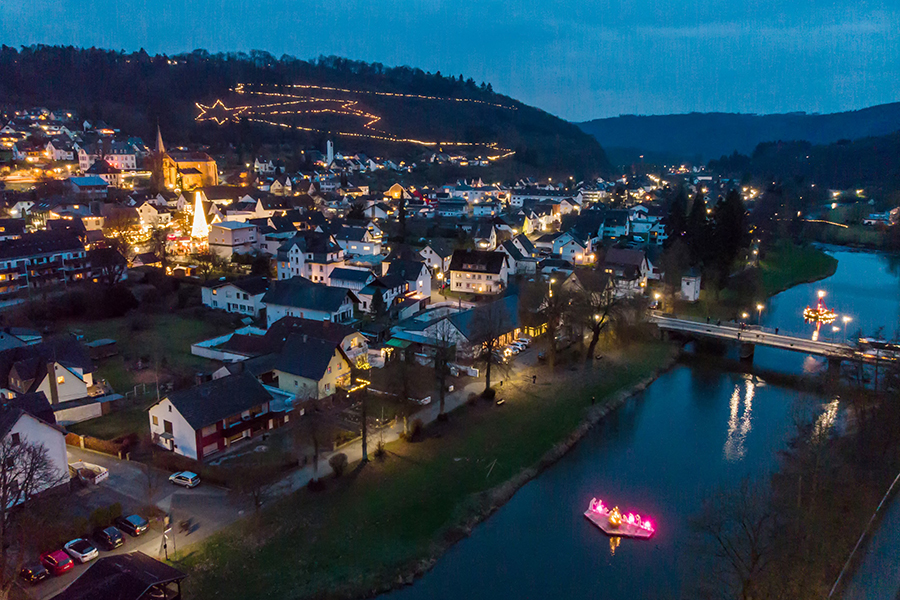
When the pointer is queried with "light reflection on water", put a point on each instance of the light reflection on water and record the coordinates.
(825, 422)
(739, 425)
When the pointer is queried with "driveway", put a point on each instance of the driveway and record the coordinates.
(209, 508)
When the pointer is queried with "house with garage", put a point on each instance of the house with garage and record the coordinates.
(208, 418)
(242, 296)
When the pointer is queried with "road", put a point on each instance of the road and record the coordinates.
(753, 335)
(209, 508)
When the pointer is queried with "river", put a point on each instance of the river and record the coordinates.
(690, 433)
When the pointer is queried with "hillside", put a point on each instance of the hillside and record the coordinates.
(398, 112)
(865, 163)
(711, 135)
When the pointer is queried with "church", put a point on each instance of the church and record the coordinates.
(186, 170)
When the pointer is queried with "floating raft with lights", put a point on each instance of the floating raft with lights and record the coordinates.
(614, 523)
(819, 314)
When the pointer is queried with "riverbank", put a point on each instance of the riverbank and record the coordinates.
(786, 265)
(389, 521)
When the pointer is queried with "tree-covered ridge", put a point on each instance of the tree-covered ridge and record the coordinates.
(865, 163)
(134, 91)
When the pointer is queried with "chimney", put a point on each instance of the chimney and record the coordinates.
(54, 390)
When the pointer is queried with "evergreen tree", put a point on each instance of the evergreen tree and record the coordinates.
(378, 306)
(697, 231)
(676, 220)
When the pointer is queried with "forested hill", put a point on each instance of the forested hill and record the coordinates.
(372, 104)
(711, 135)
(870, 162)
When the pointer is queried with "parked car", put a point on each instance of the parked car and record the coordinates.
(524, 340)
(133, 525)
(81, 550)
(34, 573)
(109, 538)
(519, 345)
(57, 562)
(185, 478)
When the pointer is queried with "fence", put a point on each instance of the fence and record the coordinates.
(118, 448)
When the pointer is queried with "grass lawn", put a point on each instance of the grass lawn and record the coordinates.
(366, 526)
(787, 265)
(165, 336)
(121, 422)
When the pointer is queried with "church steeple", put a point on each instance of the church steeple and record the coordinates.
(160, 147)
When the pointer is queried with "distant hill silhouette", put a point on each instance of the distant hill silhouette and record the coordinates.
(871, 162)
(712, 135)
(134, 91)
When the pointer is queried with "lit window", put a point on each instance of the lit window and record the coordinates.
(155, 420)
(60, 380)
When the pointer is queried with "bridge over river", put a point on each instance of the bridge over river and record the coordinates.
(751, 336)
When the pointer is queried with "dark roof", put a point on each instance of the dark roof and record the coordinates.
(615, 218)
(306, 357)
(623, 256)
(504, 312)
(30, 362)
(41, 242)
(351, 234)
(512, 250)
(12, 226)
(101, 167)
(402, 252)
(323, 330)
(313, 242)
(121, 577)
(357, 275)
(441, 247)
(477, 260)
(300, 292)
(219, 399)
(408, 270)
(35, 404)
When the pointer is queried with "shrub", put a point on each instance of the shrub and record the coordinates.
(415, 429)
(338, 463)
(380, 451)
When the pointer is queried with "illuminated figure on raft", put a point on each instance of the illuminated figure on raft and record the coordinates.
(614, 523)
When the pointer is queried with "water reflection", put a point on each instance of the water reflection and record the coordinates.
(739, 425)
(825, 422)
(614, 542)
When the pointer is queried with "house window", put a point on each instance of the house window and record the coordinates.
(155, 420)
(60, 380)
(167, 426)
(170, 408)
(16, 439)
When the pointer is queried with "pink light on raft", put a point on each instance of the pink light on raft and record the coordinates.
(631, 518)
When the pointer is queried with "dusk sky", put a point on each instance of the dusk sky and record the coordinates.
(574, 58)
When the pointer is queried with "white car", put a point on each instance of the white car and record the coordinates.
(519, 345)
(524, 341)
(81, 550)
(185, 478)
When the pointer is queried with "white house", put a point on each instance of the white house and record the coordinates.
(200, 421)
(300, 297)
(358, 241)
(154, 216)
(478, 272)
(20, 427)
(243, 296)
(437, 255)
(309, 254)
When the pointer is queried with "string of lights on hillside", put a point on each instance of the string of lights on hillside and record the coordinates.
(293, 105)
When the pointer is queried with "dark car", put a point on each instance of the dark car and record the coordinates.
(133, 525)
(109, 538)
(34, 573)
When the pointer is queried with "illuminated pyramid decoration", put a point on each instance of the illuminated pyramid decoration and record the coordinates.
(199, 228)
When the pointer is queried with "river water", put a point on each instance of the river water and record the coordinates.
(692, 432)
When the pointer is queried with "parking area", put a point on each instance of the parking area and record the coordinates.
(207, 507)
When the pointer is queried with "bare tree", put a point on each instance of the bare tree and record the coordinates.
(109, 265)
(738, 531)
(254, 478)
(490, 322)
(444, 348)
(593, 304)
(26, 470)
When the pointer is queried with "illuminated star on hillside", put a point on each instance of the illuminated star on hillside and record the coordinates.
(219, 113)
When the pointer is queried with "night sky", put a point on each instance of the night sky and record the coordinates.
(579, 59)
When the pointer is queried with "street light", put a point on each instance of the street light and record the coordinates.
(744, 316)
(846, 320)
(759, 309)
(834, 329)
(550, 286)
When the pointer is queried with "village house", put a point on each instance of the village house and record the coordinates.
(437, 255)
(351, 278)
(41, 259)
(478, 272)
(208, 418)
(19, 425)
(242, 296)
(629, 267)
(60, 368)
(232, 237)
(309, 254)
(300, 297)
